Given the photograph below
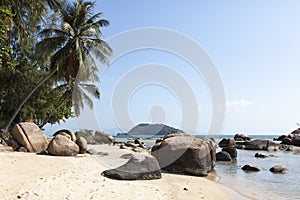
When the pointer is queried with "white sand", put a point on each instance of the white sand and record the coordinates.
(30, 176)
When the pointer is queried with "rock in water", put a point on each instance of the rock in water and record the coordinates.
(139, 167)
(279, 169)
(259, 145)
(185, 154)
(63, 146)
(260, 155)
(30, 136)
(223, 156)
(82, 143)
(232, 151)
(226, 142)
(250, 168)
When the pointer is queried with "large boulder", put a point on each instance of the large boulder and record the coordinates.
(226, 142)
(66, 132)
(103, 138)
(63, 146)
(138, 167)
(232, 151)
(30, 136)
(223, 156)
(185, 154)
(82, 143)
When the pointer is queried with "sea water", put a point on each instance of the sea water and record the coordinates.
(255, 185)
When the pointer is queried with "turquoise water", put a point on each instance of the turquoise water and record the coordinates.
(262, 184)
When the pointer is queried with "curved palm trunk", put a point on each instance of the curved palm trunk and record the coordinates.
(7, 125)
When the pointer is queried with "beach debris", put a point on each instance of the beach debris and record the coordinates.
(279, 169)
(226, 142)
(30, 136)
(223, 156)
(138, 167)
(82, 143)
(62, 145)
(185, 189)
(249, 167)
(260, 155)
(183, 153)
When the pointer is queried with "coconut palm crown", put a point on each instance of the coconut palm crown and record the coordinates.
(73, 47)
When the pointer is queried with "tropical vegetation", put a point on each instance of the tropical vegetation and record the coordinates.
(48, 59)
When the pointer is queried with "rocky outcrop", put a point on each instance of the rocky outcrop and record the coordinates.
(30, 136)
(138, 167)
(223, 156)
(185, 154)
(241, 137)
(62, 145)
(250, 168)
(259, 145)
(226, 142)
(103, 138)
(82, 144)
(292, 139)
(279, 169)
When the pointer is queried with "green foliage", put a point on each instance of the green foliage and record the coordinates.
(5, 50)
(86, 134)
(70, 34)
(49, 103)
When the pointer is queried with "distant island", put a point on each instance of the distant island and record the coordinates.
(145, 129)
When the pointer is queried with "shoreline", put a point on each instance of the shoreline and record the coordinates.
(31, 176)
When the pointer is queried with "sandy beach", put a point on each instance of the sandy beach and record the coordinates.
(31, 176)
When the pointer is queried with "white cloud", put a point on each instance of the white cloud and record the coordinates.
(237, 105)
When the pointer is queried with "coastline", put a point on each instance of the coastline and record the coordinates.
(31, 176)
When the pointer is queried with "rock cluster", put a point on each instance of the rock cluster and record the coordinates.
(291, 139)
(136, 145)
(229, 152)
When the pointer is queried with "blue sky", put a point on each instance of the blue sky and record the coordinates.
(255, 46)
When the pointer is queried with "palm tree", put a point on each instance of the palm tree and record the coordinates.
(71, 50)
